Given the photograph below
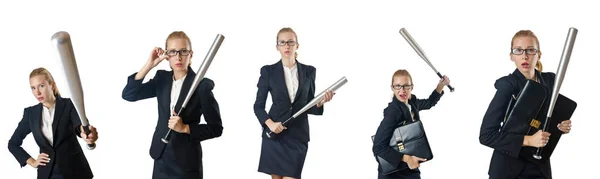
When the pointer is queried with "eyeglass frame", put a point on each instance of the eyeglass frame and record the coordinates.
(525, 51)
(178, 52)
(287, 42)
(400, 87)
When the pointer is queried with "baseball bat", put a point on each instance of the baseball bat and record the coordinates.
(201, 72)
(341, 82)
(560, 76)
(62, 42)
(421, 53)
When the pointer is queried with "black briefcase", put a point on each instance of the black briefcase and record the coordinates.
(525, 116)
(408, 139)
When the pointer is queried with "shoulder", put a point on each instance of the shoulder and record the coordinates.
(30, 108)
(548, 75)
(392, 109)
(505, 82)
(206, 84)
(308, 68)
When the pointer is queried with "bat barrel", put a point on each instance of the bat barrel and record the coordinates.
(62, 43)
(200, 75)
(560, 75)
(338, 84)
(411, 41)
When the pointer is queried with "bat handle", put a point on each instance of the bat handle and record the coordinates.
(449, 86)
(91, 146)
(538, 152)
(270, 133)
(167, 137)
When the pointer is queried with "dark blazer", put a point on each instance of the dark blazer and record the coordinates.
(394, 115)
(186, 147)
(505, 159)
(66, 154)
(272, 79)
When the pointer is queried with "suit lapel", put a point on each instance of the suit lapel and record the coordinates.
(301, 79)
(185, 89)
(59, 107)
(279, 76)
(166, 93)
(36, 127)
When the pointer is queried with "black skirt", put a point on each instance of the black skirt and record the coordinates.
(283, 156)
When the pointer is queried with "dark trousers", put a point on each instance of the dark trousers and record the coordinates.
(166, 168)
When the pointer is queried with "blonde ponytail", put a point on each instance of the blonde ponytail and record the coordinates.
(538, 66)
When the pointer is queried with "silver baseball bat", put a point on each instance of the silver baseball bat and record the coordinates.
(201, 72)
(62, 42)
(341, 82)
(421, 53)
(560, 76)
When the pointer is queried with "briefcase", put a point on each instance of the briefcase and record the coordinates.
(408, 139)
(525, 117)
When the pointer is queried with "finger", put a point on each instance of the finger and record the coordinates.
(45, 155)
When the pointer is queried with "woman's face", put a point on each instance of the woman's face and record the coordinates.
(402, 86)
(41, 89)
(525, 54)
(287, 44)
(179, 54)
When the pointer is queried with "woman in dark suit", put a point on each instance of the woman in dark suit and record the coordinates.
(506, 163)
(404, 107)
(292, 86)
(182, 156)
(55, 124)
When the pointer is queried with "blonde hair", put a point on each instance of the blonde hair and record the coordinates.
(528, 33)
(47, 76)
(288, 29)
(179, 35)
(402, 72)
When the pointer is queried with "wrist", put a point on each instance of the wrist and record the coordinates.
(526, 140)
(186, 129)
(268, 122)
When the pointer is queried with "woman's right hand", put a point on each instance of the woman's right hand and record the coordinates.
(275, 127)
(539, 139)
(42, 160)
(412, 161)
(156, 56)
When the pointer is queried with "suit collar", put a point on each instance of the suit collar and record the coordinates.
(522, 78)
(404, 108)
(36, 129)
(280, 77)
(185, 88)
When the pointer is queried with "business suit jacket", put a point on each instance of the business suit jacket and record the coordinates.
(394, 116)
(505, 161)
(66, 153)
(272, 80)
(186, 147)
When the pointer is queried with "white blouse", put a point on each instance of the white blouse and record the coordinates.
(412, 115)
(47, 119)
(291, 80)
(175, 91)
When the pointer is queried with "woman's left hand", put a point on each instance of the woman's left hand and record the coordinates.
(328, 96)
(89, 138)
(565, 126)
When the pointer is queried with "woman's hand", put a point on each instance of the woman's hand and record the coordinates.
(539, 139)
(275, 127)
(328, 96)
(412, 161)
(92, 137)
(565, 126)
(443, 82)
(42, 160)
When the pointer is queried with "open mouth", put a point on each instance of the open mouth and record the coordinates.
(525, 65)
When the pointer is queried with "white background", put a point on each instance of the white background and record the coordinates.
(468, 41)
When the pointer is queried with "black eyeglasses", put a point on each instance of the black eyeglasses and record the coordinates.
(178, 52)
(290, 43)
(405, 87)
(519, 51)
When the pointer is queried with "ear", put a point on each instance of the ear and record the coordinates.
(510, 55)
(191, 54)
(539, 55)
(297, 46)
